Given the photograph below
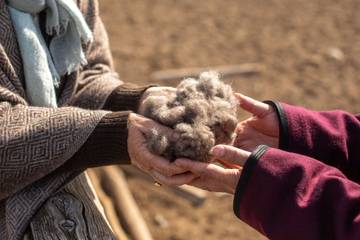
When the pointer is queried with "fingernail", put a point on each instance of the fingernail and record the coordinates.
(240, 96)
(217, 151)
(131, 117)
(134, 116)
(178, 162)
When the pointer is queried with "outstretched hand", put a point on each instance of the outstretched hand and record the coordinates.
(261, 128)
(209, 176)
(138, 128)
(154, 91)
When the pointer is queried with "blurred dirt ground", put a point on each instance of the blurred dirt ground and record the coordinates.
(310, 50)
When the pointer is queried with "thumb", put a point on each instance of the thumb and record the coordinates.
(230, 154)
(253, 106)
(145, 125)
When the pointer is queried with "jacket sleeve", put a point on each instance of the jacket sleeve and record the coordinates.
(289, 196)
(99, 86)
(36, 141)
(332, 137)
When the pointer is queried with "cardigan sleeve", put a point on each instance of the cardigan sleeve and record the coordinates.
(38, 143)
(290, 196)
(99, 86)
(34, 141)
(332, 137)
(106, 145)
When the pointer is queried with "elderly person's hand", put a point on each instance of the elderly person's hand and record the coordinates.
(209, 176)
(261, 128)
(138, 127)
(155, 91)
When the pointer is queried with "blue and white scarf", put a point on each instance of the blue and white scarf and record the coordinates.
(43, 65)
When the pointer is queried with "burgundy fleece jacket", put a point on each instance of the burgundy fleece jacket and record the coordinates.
(309, 188)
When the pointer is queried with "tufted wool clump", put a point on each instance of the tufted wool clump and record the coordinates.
(202, 113)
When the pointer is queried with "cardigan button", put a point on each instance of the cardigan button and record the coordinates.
(68, 225)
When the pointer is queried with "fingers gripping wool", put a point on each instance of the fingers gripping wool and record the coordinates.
(202, 113)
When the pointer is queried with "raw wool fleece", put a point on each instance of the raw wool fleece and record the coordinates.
(202, 112)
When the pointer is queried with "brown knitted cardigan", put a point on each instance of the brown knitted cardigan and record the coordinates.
(44, 151)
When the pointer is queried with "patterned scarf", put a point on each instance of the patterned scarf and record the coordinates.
(43, 65)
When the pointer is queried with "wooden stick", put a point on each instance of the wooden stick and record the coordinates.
(114, 184)
(225, 71)
(194, 195)
(109, 208)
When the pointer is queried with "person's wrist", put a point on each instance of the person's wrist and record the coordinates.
(125, 97)
(143, 97)
(234, 179)
(281, 123)
(154, 91)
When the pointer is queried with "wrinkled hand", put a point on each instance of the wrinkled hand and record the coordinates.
(155, 91)
(209, 176)
(261, 128)
(141, 157)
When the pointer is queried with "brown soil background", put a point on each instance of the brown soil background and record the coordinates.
(310, 50)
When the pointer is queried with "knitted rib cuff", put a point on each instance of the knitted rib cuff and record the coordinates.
(106, 145)
(126, 97)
